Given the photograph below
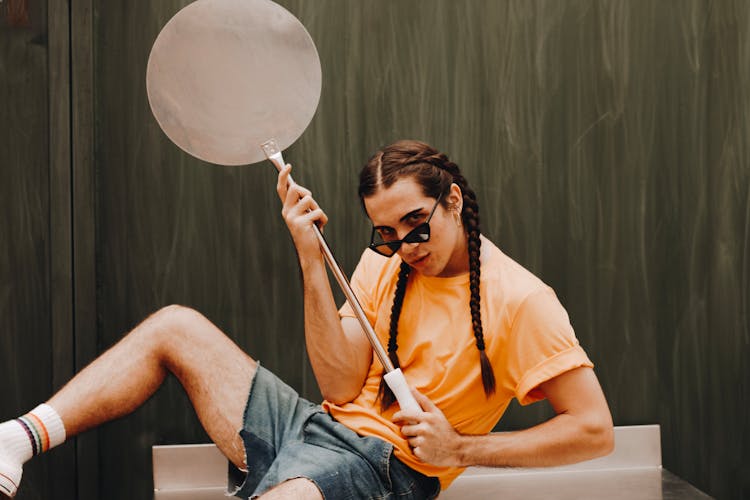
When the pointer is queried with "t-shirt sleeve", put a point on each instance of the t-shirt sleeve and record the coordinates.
(363, 281)
(542, 345)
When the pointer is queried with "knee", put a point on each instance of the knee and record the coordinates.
(175, 321)
(176, 312)
(294, 488)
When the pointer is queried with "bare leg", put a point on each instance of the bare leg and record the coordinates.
(215, 373)
(294, 489)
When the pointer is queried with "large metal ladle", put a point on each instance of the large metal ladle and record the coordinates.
(234, 82)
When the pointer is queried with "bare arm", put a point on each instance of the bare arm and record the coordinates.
(338, 349)
(581, 430)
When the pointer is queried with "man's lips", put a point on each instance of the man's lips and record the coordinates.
(418, 260)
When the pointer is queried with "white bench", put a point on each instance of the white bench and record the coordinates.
(632, 471)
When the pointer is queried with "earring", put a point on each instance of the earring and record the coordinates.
(456, 215)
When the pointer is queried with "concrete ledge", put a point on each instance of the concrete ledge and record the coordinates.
(190, 466)
(632, 471)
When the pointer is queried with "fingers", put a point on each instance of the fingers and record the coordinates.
(430, 435)
(298, 203)
(282, 182)
(406, 417)
(424, 402)
(415, 443)
(299, 199)
(287, 189)
(416, 436)
(302, 208)
(413, 430)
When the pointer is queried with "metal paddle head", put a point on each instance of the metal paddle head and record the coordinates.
(225, 76)
(235, 82)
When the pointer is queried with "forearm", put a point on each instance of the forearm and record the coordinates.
(581, 430)
(561, 440)
(339, 359)
(339, 363)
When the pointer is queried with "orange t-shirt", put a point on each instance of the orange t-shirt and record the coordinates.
(528, 339)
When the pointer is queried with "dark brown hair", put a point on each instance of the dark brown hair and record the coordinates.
(435, 173)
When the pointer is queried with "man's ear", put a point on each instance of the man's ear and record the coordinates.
(455, 197)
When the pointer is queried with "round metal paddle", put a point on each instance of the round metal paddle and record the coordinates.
(234, 82)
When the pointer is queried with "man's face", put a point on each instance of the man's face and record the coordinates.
(397, 210)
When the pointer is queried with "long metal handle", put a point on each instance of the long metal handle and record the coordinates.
(354, 302)
(278, 162)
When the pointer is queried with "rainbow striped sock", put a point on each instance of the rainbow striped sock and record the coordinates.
(32, 434)
(36, 432)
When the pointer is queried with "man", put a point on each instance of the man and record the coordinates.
(470, 328)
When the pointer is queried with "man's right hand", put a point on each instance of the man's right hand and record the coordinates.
(300, 212)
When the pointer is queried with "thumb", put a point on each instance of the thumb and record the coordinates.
(425, 402)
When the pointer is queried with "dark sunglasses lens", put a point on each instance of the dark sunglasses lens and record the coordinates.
(387, 249)
(419, 234)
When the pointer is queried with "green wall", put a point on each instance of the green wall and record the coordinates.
(607, 142)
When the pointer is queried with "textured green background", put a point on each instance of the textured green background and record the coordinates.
(607, 142)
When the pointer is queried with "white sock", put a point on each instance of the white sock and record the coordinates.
(36, 432)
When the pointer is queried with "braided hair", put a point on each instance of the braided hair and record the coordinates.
(435, 173)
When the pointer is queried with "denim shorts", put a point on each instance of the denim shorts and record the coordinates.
(288, 437)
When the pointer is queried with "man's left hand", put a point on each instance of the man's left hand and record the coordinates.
(431, 437)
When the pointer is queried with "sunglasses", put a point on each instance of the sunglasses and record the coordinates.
(387, 247)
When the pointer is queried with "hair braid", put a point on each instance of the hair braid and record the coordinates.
(471, 220)
(385, 394)
(470, 217)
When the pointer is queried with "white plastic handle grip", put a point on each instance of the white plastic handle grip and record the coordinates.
(396, 381)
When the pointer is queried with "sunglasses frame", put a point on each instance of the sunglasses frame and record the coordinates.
(420, 234)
